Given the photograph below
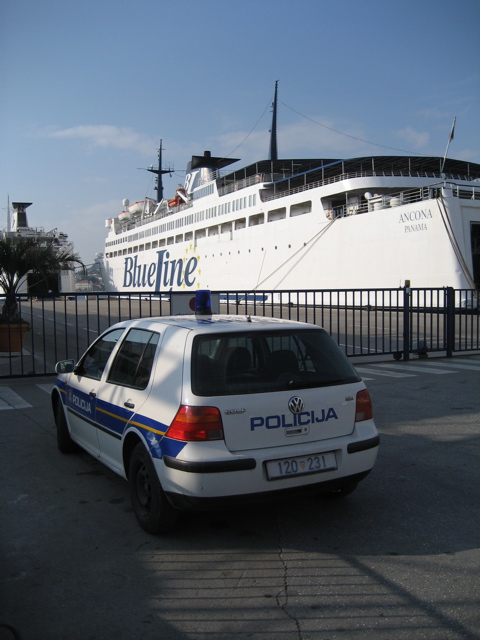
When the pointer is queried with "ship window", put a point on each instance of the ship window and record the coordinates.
(225, 228)
(253, 221)
(135, 249)
(170, 240)
(301, 208)
(240, 224)
(154, 244)
(213, 231)
(189, 236)
(130, 250)
(200, 233)
(179, 238)
(277, 214)
(161, 243)
(148, 246)
(124, 252)
(141, 247)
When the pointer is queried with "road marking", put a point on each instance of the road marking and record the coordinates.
(11, 400)
(389, 374)
(399, 370)
(420, 369)
(45, 387)
(454, 365)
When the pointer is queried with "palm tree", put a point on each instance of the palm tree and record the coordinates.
(19, 256)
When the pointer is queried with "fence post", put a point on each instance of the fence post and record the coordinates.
(450, 321)
(406, 323)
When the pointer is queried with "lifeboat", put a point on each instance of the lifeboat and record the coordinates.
(180, 196)
(136, 208)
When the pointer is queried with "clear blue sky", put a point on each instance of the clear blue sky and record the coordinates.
(88, 89)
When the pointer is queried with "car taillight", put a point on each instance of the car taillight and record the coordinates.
(196, 424)
(363, 409)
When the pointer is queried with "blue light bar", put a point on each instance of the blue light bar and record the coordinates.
(203, 303)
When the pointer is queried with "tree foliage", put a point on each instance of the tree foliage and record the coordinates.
(19, 256)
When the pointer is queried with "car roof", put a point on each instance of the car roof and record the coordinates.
(219, 323)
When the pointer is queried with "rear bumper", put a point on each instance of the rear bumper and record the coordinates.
(246, 464)
(216, 466)
(209, 479)
(194, 503)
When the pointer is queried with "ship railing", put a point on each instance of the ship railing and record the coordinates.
(141, 221)
(389, 201)
(466, 193)
(362, 174)
(242, 184)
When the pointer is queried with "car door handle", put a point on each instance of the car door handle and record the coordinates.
(129, 405)
(92, 394)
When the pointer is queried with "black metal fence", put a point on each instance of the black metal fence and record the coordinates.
(396, 323)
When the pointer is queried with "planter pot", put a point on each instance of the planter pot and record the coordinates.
(12, 337)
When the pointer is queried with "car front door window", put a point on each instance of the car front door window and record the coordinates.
(83, 388)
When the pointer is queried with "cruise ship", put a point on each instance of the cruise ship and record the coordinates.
(18, 227)
(375, 222)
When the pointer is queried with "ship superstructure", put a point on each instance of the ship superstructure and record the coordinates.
(294, 224)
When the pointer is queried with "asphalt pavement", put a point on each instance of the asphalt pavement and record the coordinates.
(397, 560)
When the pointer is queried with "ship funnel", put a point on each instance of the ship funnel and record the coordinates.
(203, 169)
(20, 215)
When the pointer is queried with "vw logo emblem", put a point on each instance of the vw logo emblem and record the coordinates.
(296, 404)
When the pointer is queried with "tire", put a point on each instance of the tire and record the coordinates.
(342, 492)
(152, 509)
(64, 442)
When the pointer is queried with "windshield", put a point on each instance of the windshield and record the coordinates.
(265, 361)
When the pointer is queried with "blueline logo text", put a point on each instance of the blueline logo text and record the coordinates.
(163, 274)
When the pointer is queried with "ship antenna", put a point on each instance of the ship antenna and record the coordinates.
(273, 131)
(159, 172)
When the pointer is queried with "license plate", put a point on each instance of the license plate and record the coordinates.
(300, 466)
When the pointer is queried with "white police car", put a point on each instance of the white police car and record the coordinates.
(201, 412)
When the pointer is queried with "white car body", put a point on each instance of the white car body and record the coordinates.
(260, 442)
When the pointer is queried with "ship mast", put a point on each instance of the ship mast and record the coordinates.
(273, 131)
(159, 173)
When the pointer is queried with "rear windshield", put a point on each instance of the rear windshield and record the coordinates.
(265, 361)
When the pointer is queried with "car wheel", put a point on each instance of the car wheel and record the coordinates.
(150, 504)
(342, 492)
(64, 442)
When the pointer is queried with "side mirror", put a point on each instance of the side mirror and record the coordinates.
(65, 366)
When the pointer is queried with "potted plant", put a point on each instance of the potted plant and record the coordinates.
(18, 257)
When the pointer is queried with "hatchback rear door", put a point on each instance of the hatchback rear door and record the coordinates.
(276, 387)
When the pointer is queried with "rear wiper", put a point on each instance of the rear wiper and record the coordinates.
(312, 384)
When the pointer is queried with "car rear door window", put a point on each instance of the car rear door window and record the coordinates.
(133, 363)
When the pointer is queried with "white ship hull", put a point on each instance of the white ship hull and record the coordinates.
(350, 229)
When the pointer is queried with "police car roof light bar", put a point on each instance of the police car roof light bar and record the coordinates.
(203, 303)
